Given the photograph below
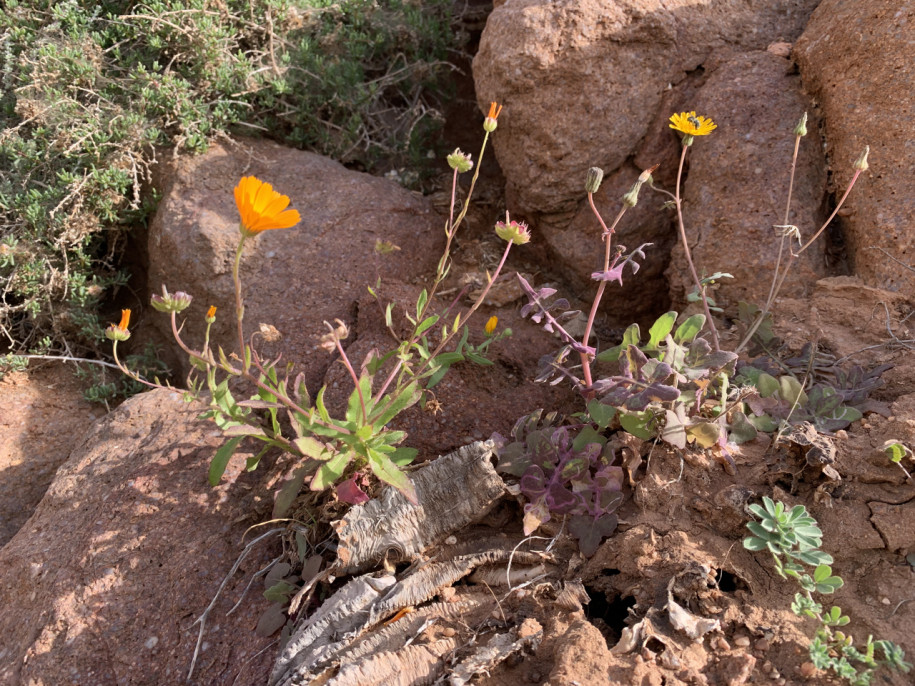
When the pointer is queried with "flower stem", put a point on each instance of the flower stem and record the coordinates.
(689, 258)
(607, 235)
(239, 305)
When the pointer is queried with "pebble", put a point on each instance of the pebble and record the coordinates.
(885, 601)
(761, 645)
(721, 644)
(807, 670)
(742, 642)
(448, 632)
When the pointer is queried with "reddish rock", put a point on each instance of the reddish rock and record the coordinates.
(737, 183)
(128, 547)
(293, 279)
(856, 60)
(581, 82)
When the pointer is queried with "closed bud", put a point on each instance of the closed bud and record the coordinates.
(861, 163)
(512, 231)
(592, 180)
(460, 161)
(645, 176)
(801, 128)
(631, 198)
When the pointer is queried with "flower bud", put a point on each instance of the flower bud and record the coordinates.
(171, 302)
(861, 163)
(631, 198)
(491, 325)
(645, 176)
(512, 231)
(490, 123)
(460, 161)
(211, 314)
(801, 128)
(119, 332)
(592, 180)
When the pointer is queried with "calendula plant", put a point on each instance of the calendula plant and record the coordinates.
(793, 538)
(331, 448)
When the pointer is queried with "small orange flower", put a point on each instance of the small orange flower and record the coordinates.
(211, 314)
(119, 332)
(490, 123)
(491, 325)
(262, 208)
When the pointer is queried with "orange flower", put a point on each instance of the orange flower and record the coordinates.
(211, 314)
(490, 123)
(119, 332)
(262, 208)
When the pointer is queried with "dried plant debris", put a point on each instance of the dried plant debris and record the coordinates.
(484, 658)
(453, 491)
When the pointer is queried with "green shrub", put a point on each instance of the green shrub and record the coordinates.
(91, 90)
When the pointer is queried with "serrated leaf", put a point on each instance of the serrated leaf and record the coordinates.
(221, 459)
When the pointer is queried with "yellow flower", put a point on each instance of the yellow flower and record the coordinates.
(262, 208)
(691, 125)
(491, 325)
(211, 314)
(119, 332)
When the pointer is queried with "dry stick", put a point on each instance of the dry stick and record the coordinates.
(608, 239)
(689, 257)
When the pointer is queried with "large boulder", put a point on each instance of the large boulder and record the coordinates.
(127, 549)
(293, 279)
(581, 81)
(737, 186)
(856, 60)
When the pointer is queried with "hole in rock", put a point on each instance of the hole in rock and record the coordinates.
(609, 614)
(729, 583)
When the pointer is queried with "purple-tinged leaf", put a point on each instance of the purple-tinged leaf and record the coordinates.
(590, 531)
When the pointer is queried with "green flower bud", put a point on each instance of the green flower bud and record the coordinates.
(512, 231)
(592, 180)
(171, 302)
(801, 128)
(460, 161)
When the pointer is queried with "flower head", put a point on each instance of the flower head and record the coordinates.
(211, 314)
(460, 161)
(262, 208)
(491, 325)
(490, 123)
(691, 125)
(512, 231)
(119, 332)
(171, 302)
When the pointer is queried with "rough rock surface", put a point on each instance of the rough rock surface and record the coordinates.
(737, 184)
(293, 279)
(582, 80)
(42, 413)
(856, 60)
(103, 584)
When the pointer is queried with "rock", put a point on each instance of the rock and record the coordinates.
(737, 184)
(581, 655)
(42, 412)
(129, 545)
(855, 59)
(581, 82)
(293, 279)
(579, 251)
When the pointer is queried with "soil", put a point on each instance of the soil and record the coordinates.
(680, 532)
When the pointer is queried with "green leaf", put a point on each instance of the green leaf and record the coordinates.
(601, 414)
(632, 335)
(330, 471)
(221, 459)
(421, 304)
(252, 462)
(896, 452)
(426, 324)
(319, 403)
(637, 423)
(362, 393)
(388, 319)
(690, 328)
(767, 385)
(754, 543)
(388, 472)
(792, 391)
(658, 332)
(313, 448)
(403, 456)
(742, 430)
(243, 430)
(409, 396)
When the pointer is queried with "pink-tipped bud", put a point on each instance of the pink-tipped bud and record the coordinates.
(171, 302)
(512, 231)
(460, 161)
